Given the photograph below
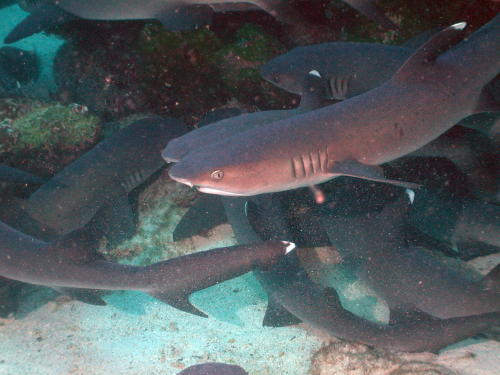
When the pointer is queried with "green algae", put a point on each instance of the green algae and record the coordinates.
(50, 127)
(196, 71)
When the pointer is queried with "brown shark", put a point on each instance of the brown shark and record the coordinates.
(313, 96)
(407, 277)
(109, 171)
(431, 92)
(72, 262)
(294, 297)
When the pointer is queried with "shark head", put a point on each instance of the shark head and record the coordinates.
(280, 73)
(224, 170)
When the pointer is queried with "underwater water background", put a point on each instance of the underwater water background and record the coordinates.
(92, 80)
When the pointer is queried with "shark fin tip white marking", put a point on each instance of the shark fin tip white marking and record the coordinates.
(459, 26)
(411, 195)
(315, 73)
(289, 246)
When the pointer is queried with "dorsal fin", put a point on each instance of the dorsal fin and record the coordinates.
(430, 50)
(314, 92)
(492, 280)
(79, 246)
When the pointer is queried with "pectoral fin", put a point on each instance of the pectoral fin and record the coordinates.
(375, 173)
(315, 92)
(206, 213)
(277, 316)
(180, 302)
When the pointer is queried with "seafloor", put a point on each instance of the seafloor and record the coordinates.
(137, 334)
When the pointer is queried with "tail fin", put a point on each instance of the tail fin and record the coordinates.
(430, 50)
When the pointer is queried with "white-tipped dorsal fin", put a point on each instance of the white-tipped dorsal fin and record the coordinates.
(430, 50)
(289, 246)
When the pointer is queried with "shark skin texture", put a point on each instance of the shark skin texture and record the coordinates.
(409, 278)
(353, 137)
(72, 262)
(294, 297)
(106, 173)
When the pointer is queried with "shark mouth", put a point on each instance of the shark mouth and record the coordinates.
(217, 191)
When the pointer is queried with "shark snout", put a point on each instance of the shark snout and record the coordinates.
(179, 174)
(174, 151)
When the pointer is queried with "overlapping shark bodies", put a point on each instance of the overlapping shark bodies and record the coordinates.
(44, 14)
(313, 96)
(293, 297)
(410, 279)
(351, 68)
(72, 262)
(429, 94)
(465, 225)
(104, 175)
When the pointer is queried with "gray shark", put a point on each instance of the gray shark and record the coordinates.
(294, 297)
(16, 176)
(353, 137)
(173, 14)
(352, 68)
(459, 222)
(408, 278)
(104, 174)
(44, 14)
(288, 284)
(313, 96)
(71, 262)
(213, 368)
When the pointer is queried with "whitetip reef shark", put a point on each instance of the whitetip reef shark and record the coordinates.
(430, 93)
(72, 262)
(313, 96)
(103, 175)
(175, 15)
(409, 278)
(294, 297)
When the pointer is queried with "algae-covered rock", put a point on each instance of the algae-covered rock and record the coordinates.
(189, 73)
(178, 73)
(240, 60)
(50, 126)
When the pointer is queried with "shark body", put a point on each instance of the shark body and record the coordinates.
(409, 278)
(428, 95)
(72, 263)
(352, 68)
(313, 97)
(103, 175)
(294, 297)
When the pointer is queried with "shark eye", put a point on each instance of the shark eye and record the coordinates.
(217, 175)
(276, 78)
